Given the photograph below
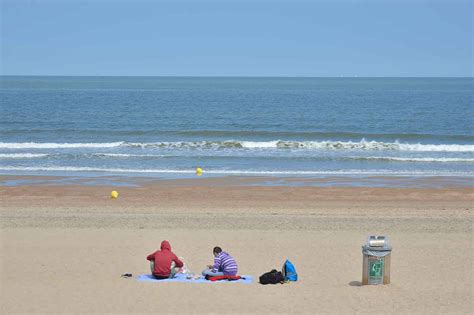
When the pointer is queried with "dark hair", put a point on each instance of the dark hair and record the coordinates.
(217, 250)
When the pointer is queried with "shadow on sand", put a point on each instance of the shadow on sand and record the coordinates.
(355, 284)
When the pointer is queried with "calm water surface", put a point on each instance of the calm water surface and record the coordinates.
(279, 126)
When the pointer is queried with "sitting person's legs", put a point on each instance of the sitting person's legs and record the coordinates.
(210, 273)
(174, 269)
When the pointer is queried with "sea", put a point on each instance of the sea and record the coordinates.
(244, 126)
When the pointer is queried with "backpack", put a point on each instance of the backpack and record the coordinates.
(289, 271)
(271, 277)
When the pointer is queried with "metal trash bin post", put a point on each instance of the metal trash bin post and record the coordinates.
(376, 261)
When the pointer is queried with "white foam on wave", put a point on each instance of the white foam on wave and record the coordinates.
(377, 146)
(124, 155)
(436, 147)
(52, 145)
(92, 169)
(310, 145)
(255, 145)
(259, 144)
(412, 159)
(21, 155)
(236, 172)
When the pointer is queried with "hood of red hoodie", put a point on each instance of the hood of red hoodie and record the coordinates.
(165, 245)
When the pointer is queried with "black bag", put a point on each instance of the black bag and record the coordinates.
(272, 277)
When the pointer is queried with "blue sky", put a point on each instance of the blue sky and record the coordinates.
(237, 38)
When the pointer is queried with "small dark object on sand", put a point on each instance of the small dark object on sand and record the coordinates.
(126, 275)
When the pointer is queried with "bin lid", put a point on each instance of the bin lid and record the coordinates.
(377, 241)
(385, 248)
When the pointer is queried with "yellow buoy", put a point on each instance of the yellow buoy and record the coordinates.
(198, 171)
(114, 194)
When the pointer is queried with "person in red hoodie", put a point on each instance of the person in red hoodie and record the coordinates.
(164, 263)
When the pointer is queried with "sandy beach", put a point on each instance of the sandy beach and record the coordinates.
(282, 130)
(65, 247)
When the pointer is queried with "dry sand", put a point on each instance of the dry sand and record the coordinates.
(63, 248)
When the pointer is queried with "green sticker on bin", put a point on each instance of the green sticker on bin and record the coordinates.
(375, 268)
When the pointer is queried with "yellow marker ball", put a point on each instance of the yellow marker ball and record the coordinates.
(114, 194)
(198, 171)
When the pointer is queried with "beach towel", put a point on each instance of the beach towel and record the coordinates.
(182, 278)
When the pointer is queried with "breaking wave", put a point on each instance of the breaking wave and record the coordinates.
(411, 159)
(124, 155)
(255, 145)
(310, 145)
(21, 155)
(52, 145)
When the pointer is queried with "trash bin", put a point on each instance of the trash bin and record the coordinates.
(376, 263)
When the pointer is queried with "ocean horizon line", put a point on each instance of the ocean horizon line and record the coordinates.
(235, 76)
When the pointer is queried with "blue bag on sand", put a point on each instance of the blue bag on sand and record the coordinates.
(289, 271)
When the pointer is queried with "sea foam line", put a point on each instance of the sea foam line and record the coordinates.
(124, 155)
(238, 172)
(21, 155)
(52, 145)
(410, 159)
(7, 156)
(252, 145)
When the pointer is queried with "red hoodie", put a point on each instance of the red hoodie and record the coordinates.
(163, 259)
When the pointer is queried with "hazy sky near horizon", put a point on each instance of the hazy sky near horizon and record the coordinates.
(237, 38)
